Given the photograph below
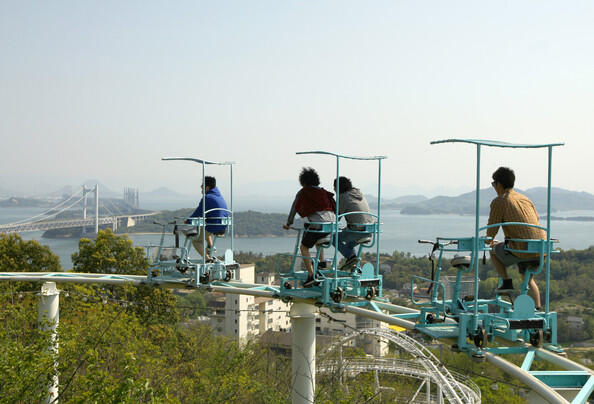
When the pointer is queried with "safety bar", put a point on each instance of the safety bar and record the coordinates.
(439, 284)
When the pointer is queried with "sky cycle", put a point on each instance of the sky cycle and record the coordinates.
(335, 286)
(173, 262)
(474, 323)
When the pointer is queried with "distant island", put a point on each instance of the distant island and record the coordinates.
(16, 202)
(464, 204)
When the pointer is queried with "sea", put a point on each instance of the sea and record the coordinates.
(399, 233)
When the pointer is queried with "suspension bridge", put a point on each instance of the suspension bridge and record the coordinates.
(49, 219)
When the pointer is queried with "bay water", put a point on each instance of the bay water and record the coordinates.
(399, 232)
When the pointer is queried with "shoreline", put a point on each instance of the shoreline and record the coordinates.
(236, 236)
(159, 233)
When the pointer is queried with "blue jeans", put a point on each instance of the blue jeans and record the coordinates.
(347, 242)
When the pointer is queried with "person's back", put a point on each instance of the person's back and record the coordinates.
(316, 205)
(508, 207)
(354, 201)
(512, 206)
(214, 200)
(350, 199)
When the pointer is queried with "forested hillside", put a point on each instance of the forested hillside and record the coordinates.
(142, 344)
(248, 223)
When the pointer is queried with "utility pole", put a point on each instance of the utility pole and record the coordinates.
(48, 315)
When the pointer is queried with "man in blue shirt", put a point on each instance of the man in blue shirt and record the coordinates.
(216, 210)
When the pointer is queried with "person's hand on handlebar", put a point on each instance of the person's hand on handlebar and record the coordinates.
(286, 226)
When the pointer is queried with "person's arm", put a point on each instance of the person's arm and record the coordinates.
(197, 212)
(292, 213)
(495, 216)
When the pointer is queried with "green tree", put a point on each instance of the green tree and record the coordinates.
(110, 253)
(18, 255)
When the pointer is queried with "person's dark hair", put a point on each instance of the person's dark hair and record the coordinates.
(210, 182)
(309, 177)
(505, 176)
(344, 183)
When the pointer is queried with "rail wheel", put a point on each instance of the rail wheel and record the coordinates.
(337, 295)
(481, 338)
(205, 278)
(536, 338)
(371, 293)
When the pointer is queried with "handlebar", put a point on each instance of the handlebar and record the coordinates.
(437, 243)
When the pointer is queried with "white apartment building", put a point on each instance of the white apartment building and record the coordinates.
(244, 317)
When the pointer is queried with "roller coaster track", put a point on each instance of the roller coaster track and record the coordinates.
(456, 388)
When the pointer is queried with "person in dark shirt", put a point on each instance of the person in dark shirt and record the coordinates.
(316, 205)
(214, 202)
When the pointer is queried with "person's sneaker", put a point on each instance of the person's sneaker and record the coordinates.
(506, 287)
(351, 261)
(310, 281)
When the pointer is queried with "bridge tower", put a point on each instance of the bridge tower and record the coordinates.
(96, 208)
(85, 191)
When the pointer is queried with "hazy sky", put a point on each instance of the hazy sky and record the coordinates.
(104, 89)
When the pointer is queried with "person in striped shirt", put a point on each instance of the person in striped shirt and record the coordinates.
(511, 206)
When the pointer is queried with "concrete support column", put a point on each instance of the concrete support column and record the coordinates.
(303, 344)
(48, 315)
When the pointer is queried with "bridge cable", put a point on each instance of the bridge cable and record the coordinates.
(57, 213)
(114, 206)
(44, 212)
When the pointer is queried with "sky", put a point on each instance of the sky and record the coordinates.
(104, 89)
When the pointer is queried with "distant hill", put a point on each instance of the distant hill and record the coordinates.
(15, 202)
(166, 194)
(395, 203)
(464, 204)
(4, 193)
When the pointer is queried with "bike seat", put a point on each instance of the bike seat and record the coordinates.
(325, 241)
(364, 240)
(190, 232)
(461, 261)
